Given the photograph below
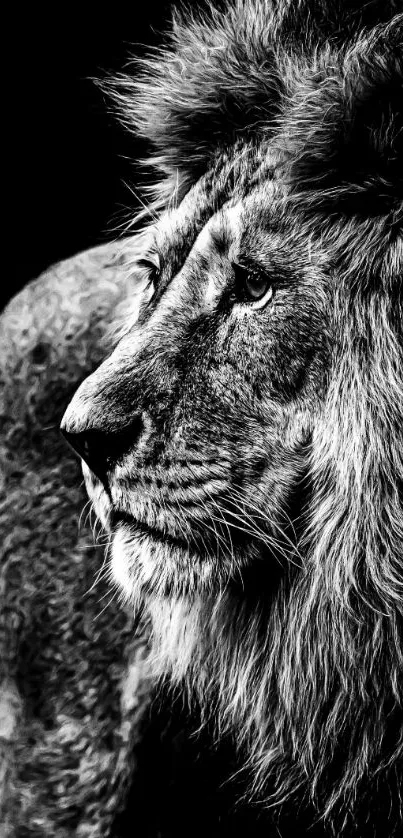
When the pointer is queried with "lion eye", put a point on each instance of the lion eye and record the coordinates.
(151, 270)
(252, 286)
(256, 287)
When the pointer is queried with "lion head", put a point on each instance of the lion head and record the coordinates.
(243, 442)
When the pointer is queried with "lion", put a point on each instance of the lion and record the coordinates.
(242, 444)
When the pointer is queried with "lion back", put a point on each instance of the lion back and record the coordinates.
(73, 686)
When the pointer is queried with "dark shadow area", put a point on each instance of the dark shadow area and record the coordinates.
(71, 165)
(183, 787)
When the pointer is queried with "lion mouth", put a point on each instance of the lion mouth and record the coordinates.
(144, 529)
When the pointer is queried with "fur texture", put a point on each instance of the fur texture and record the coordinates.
(74, 685)
(236, 434)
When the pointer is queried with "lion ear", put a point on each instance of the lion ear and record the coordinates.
(344, 129)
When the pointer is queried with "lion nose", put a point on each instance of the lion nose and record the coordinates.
(102, 450)
(90, 446)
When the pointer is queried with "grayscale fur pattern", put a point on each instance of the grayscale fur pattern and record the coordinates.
(275, 128)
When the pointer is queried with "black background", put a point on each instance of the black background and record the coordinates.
(69, 158)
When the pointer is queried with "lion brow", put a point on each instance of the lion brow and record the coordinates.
(221, 239)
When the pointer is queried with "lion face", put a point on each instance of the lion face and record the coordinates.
(196, 430)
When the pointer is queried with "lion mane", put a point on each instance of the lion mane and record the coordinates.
(310, 679)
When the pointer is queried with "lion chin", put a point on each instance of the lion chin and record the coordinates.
(158, 574)
(144, 566)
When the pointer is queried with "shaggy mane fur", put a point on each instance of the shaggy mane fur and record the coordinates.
(312, 682)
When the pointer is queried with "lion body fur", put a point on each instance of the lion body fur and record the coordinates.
(74, 685)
